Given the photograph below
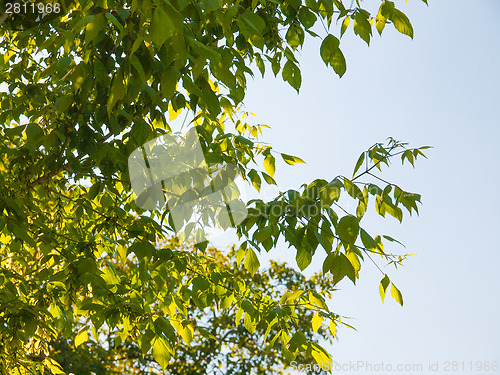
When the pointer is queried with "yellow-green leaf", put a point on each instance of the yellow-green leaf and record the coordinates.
(53, 366)
(345, 24)
(161, 351)
(251, 261)
(289, 159)
(402, 23)
(396, 294)
(316, 322)
(384, 283)
(82, 337)
(333, 328)
(332, 55)
(320, 355)
(185, 331)
(269, 164)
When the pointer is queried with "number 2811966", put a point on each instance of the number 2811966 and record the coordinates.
(31, 7)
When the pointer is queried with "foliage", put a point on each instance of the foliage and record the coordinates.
(221, 342)
(87, 86)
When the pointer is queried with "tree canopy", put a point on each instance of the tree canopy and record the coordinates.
(86, 272)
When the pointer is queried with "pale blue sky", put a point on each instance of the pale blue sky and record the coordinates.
(440, 89)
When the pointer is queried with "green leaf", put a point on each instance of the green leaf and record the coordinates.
(359, 163)
(291, 74)
(361, 209)
(342, 267)
(240, 254)
(316, 299)
(251, 261)
(269, 180)
(238, 316)
(206, 334)
(263, 233)
(162, 325)
(384, 283)
(402, 23)
(142, 249)
(368, 241)
(34, 133)
(255, 179)
(260, 64)
(289, 159)
(352, 189)
(347, 229)
(380, 22)
(354, 260)
(184, 331)
(362, 26)
(110, 276)
(332, 55)
(161, 352)
(93, 28)
(326, 238)
(396, 294)
(330, 193)
(211, 5)
(162, 27)
(384, 12)
(306, 17)
(249, 323)
(295, 36)
(345, 24)
(254, 21)
(298, 340)
(321, 356)
(63, 103)
(389, 238)
(117, 91)
(303, 257)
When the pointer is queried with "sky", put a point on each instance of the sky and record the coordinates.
(440, 89)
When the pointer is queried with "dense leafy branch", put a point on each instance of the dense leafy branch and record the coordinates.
(92, 281)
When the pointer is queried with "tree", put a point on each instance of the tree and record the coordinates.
(217, 339)
(89, 82)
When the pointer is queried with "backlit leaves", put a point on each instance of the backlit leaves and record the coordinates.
(387, 11)
(362, 26)
(396, 294)
(87, 88)
(291, 74)
(270, 164)
(161, 351)
(289, 159)
(348, 228)
(162, 27)
(402, 23)
(251, 261)
(384, 283)
(332, 55)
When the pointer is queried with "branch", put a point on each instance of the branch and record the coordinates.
(42, 179)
